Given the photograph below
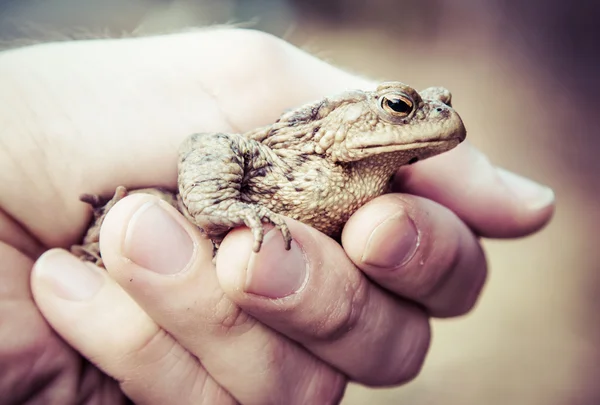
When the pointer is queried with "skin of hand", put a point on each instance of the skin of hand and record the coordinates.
(161, 325)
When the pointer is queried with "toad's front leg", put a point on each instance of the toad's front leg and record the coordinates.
(213, 169)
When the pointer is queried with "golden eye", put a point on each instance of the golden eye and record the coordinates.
(397, 105)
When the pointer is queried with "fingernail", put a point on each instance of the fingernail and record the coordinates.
(69, 277)
(156, 241)
(275, 272)
(535, 195)
(392, 243)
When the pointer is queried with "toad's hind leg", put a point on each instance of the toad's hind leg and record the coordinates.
(89, 249)
(213, 168)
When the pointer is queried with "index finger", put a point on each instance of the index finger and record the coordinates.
(492, 201)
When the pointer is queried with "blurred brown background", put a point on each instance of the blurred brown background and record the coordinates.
(525, 77)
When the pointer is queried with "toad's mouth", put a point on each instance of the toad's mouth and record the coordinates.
(407, 150)
(439, 145)
(392, 142)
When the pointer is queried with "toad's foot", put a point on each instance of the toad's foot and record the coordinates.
(89, 249)
(215, 221)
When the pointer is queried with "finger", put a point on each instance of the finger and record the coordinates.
(419, 250)
(37, 365)
(161, 260)
(13, 234)
(95, 316)
(316, 296)
(492, 201)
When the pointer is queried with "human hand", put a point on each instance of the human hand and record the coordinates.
(95, 115)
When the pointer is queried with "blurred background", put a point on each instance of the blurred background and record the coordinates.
(525, 78)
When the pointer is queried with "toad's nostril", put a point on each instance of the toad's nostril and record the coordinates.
(442, 112)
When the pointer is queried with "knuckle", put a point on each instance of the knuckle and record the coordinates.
(477, 277)
(452, 281)
(160, 351)
(254, 39)
(417, 344)
(343, 315)
(154, 347)
(406, 362)
(227, 316)
(324, 386)
(315, 382)
(258, 51)
(402, 358)
(275, 352)
(206, 391)
(434, 276)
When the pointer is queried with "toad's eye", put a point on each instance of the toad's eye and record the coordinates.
(397, 105)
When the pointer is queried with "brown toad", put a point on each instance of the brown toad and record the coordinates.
(318, 163)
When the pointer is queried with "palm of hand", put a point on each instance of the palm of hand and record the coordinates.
(91, 136)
